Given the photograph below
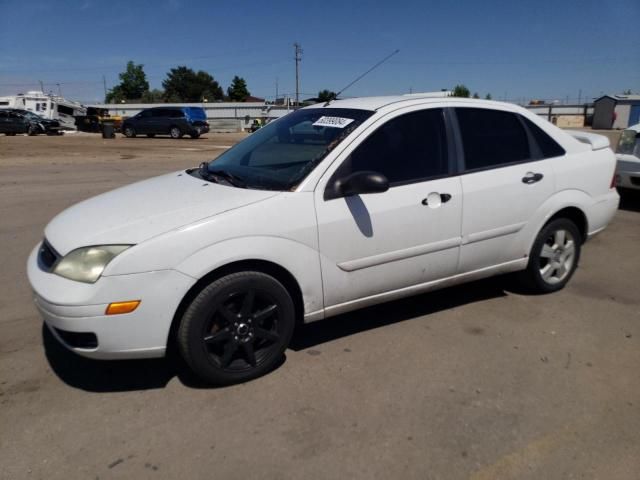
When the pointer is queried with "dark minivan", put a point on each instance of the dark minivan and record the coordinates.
(173, 121)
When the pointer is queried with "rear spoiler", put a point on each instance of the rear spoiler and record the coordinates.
(595, 141)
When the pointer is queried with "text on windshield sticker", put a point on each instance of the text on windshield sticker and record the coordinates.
(333, 122)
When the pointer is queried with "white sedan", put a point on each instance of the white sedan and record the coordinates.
(328, 209)
(628, 155)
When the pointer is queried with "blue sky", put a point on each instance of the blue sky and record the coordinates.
(518, 49)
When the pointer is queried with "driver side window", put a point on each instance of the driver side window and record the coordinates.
(407, 149)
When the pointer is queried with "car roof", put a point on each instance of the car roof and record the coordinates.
(377, 103)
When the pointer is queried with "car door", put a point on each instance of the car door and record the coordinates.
(144, 122)
(159, 122)
(17, 123)
(505, 180)
(379, 243)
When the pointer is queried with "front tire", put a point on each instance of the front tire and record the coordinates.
(32, 130)
(129, 132)
(237, 328)
(554, 257)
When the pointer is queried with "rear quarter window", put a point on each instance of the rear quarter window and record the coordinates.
(547, 145)
(195, 113)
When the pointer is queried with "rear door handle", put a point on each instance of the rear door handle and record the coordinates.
(531, 177)
(444, 198)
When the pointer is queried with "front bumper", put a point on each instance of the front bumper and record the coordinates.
(73, 311)
(628, 172)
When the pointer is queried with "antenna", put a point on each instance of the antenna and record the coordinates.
(365, 73)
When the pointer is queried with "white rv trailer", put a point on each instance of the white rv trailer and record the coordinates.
(48, 106)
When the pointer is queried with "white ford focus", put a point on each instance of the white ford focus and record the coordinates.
(328, 209)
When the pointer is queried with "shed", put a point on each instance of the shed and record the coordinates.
(616, 111)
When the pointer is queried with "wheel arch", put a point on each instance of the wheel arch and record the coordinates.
(577, 216)
(273, 269)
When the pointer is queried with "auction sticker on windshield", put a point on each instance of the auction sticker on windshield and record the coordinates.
(333, 122)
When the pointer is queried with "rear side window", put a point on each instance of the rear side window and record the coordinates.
(176, 113)
(548, 146)
(196, 113)
(491, 138)
(406, 149)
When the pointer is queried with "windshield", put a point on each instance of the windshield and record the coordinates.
(629, 143)
(31, 115)
(281, 154)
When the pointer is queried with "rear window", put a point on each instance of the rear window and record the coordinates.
(491, 138)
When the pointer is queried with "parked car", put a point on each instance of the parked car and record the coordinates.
(628, 155)
(174, 121)
(325, 210)
(14, 120)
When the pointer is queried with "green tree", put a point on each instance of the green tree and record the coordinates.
(326, 95)
(184, 85)
(627, 92)
(152, 96)
(238, 91)
(461, 91)
(487, 96)
(133, 83)
(475, 95)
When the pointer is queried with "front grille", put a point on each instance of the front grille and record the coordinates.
(47, 256)
(78, 339)
(635, 181)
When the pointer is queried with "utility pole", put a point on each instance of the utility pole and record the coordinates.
(276, 91)
(579, 96)
(104, 84)
(59, 90)
(297, 58)
(41, 86)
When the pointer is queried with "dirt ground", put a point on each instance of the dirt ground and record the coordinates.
(477, 381)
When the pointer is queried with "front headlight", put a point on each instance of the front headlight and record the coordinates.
(86, 264)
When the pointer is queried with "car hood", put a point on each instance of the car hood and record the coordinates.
(140, 211)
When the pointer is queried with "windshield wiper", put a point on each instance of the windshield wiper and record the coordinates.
(216, 175)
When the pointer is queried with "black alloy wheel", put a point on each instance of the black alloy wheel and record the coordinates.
(237, 328)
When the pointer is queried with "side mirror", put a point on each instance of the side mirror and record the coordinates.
(358, 183)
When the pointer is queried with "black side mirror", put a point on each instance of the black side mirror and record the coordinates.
(357, 183)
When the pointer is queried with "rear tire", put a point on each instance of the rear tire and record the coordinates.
(129, 132)
(554, 257)
(32, 130)
(175, 132)
(194, 135)
(151, 135)
(237, 328)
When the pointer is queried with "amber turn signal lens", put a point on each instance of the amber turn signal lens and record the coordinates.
(117, 308)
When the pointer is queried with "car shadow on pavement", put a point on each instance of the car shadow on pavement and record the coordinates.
(134, 375)
(377, 316)
(630, 201)
(113, 376)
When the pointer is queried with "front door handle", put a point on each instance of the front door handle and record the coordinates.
(444, 198)
(531, 177)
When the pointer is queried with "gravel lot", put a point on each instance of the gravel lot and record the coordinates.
(476, 381)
